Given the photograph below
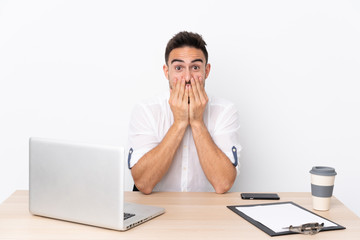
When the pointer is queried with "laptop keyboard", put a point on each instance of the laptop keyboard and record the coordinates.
(128, 215)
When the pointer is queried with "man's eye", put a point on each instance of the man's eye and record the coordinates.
(178, 68)
(196, 67)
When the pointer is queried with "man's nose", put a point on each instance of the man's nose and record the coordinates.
(187, 75)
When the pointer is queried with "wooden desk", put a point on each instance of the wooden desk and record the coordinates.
(187, 216)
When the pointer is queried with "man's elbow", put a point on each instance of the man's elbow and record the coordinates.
(145, 189)
(225, 185)
(223, 188)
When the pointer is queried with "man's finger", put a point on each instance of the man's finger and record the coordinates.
(187, 94)
(177, 88)
(194, 87)
(202, 92)
(182, 89)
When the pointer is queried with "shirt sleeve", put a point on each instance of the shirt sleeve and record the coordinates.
(142, 137)
(226, 134)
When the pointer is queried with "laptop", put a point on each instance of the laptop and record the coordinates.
(82, 183)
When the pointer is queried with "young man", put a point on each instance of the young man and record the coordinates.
(184, 141)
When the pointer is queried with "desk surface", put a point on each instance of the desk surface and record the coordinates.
(187, 216)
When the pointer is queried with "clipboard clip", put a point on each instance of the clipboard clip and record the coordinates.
(307, 228)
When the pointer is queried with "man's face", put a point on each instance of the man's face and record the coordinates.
(186, 63)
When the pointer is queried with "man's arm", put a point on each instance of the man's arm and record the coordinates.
(216, 165)
(150, 169)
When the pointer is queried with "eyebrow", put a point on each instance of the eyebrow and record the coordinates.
(179, 60)
(197, 60)
(176, 60)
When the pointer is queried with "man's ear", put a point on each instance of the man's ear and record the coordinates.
(207, 70)
(166, 71)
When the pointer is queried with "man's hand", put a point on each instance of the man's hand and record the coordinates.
(198, 101)
(179, 102)
(215, 164)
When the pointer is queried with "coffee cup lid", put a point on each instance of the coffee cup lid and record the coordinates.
(323, 171)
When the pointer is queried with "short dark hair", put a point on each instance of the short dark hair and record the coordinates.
(186, 39)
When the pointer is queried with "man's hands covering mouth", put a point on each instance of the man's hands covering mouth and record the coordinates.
(188, 101)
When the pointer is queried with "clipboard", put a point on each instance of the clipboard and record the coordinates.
(267, 217)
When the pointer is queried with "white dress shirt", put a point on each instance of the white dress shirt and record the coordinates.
(151, 120)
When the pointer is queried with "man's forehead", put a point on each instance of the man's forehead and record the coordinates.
(186, 54)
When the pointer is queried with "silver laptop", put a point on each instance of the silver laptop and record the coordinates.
(82, 183)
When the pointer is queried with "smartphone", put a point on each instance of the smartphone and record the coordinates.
(260, 196)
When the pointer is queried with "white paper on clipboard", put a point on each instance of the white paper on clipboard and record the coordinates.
(279, 216)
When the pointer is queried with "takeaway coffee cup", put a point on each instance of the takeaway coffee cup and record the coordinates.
(322, 185)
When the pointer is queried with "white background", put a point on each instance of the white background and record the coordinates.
(73, 70)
